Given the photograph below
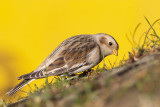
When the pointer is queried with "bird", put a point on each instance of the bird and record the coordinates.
(75, 54)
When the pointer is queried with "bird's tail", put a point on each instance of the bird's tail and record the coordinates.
(19, 86)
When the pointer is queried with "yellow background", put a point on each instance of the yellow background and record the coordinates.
(31, 29)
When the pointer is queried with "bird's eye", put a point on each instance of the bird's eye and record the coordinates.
(110, 43)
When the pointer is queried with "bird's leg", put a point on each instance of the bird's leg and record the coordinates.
(71, 75)
(85, 73)
(89, 72)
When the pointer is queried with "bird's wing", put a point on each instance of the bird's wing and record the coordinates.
(72, 59)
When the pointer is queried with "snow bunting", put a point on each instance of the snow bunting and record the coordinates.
(75, 54)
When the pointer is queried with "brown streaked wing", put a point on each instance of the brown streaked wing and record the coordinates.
(75, 52)
(78, 50)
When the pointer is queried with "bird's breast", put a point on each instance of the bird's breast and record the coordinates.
(94, 57)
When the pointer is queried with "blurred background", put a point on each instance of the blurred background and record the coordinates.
(31, 29)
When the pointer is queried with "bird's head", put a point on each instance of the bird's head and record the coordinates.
(107, 43)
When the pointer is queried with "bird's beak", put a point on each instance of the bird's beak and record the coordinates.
(115, 52)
